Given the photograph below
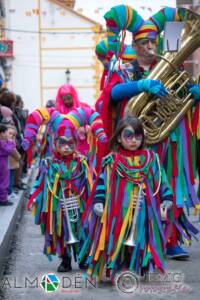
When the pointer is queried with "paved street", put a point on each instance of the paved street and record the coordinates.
(27, 265)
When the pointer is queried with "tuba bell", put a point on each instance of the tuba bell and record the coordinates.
(159, 117)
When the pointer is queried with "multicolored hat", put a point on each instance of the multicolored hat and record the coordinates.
(104, 54)
(155, 24)
(118, 19)
(61, 124)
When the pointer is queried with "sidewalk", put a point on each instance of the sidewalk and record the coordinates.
(9, 217)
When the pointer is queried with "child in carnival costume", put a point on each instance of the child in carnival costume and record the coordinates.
(181, 171)
(79, 117)
(129, 191)
(62, 178)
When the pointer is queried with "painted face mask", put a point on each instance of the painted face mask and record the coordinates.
(69, 142)
(129, 135)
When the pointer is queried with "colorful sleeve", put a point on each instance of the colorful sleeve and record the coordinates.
(87, 181)
(38, 186)
(100, 193)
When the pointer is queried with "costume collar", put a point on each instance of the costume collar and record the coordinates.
(65, 159)
(132, 153)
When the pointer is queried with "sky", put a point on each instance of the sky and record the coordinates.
(95, 9)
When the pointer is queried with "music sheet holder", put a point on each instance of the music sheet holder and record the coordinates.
(172, 36)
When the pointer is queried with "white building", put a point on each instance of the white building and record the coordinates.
(49, 39)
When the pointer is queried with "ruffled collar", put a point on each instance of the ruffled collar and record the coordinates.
(126, 165)
(129, 153)
(65, 159)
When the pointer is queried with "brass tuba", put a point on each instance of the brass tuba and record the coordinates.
(160, 116)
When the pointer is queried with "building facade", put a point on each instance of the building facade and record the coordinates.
(53, 44)
(192, 64)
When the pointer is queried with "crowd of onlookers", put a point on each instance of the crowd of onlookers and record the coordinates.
(13, 166)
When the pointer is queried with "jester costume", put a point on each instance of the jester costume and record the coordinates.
(177, 152)
(49, 117)
(59, 180)
(116, 187)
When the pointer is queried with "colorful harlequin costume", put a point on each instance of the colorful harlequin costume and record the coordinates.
(177, 152)
(50, 117)
(60, 178)
(121, 175)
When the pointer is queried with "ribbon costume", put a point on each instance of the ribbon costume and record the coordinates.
(61, 179)
(119, 181)
(177, 152)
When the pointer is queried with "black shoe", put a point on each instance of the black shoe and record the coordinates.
(8, 203)
(65, 265)
(83, 266)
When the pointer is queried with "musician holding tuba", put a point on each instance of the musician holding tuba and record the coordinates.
(165, 105)
(60, 192)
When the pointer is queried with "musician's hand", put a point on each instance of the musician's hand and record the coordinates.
(151, 86)
(194, 89)
(98, 209)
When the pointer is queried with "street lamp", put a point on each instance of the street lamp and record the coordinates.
(67, 72)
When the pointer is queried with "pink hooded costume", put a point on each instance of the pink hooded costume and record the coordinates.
(64, 90)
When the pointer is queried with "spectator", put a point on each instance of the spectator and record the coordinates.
(6, 115)
(13, 162)
(50, 103)
(7, 147)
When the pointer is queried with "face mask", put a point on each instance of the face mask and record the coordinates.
(129, 135)
(65, 142)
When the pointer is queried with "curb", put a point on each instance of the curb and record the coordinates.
(9, 217)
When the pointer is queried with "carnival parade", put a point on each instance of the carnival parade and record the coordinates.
(113, 184)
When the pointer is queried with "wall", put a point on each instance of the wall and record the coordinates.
(23, 16)
(66, 41)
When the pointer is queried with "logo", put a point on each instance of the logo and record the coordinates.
(50, 283)
(126, 282)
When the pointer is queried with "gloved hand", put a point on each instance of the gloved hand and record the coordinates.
(151, 86)
(194, 89)
(166, 204)
(25, 144)
(98, 209)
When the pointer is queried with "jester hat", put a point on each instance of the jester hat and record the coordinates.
(155, 24)
(69, 122)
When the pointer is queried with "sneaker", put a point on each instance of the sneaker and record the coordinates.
(12, 196)
(8, 203)
(177, 253)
